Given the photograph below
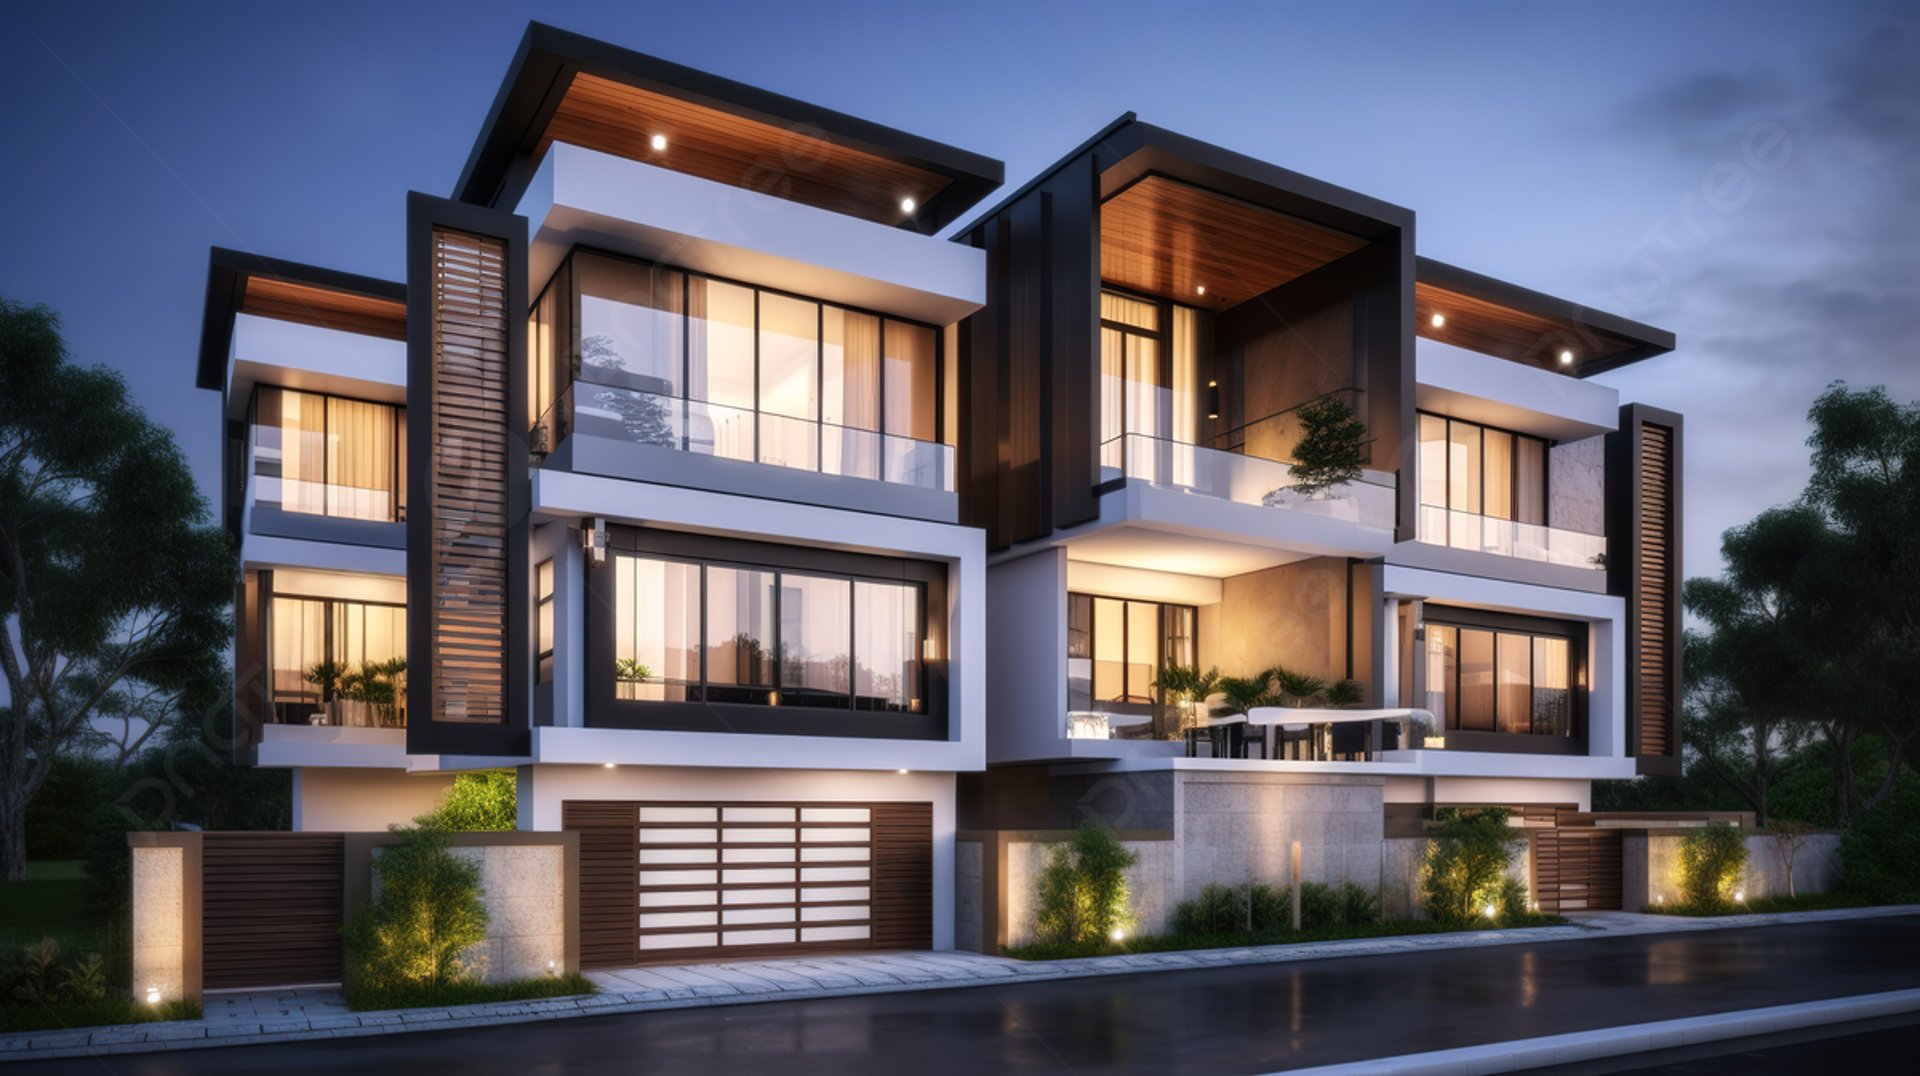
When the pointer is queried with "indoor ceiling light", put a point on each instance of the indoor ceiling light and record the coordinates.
(1438, 320)
(658, 142)
(1566, 358)
(908, 205)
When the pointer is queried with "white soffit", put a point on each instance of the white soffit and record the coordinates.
(1493, 391)
(1153, 550)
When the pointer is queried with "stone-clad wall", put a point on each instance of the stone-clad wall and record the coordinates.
(1577, 486)
(1233, 827)
(1650, 869)
(523, 884)
(161, 924)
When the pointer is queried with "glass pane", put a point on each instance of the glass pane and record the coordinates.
(543, 579)
(925, 464)
(632, 324)
(1109, 650)
(815, 640)
(1143, 646)
(303, 452)
(851, 452)
(1079, 652)
(1476, 680)
(1186, 391)
(1463, 470)
(911, 380)
(1552, 686)
(1129, 311)
(851, 364)
(656, 629)
(543, 640)
(1433, 460)
(1443, 657)
(712, 430)
(1113, 353)
(789, 442)
(1178, 647)
(542, 330)
(1515, 678)
(886, 646)
(360, 461)
(298, 630)
(1497, 474)
(1149, 404)
(720, 359)
(641, 418)
(1530, 481)
(789, 356)
(739, 634)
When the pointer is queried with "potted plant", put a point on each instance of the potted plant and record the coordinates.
(1185, 688)
(628, 674)
(1332, 450)
(326, 676)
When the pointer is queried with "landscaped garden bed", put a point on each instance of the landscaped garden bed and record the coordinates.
(1165, 943)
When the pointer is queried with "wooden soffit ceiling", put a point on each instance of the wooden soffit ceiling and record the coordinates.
(1508, 332)
(1169, 238)
(329, 309)
(791, 162)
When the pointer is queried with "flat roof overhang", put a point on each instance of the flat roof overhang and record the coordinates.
(567, 87)
(241, 283)
(1525, 326)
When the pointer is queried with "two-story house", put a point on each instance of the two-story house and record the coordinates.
(642, 483)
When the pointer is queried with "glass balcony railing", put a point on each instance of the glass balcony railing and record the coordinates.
(1230, 476)
(1507, 538)
(738, 433)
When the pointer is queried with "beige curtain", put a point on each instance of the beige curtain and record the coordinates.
(360, 459)
(303, 452)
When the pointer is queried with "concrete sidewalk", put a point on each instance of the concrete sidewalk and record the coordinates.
(282, 1016)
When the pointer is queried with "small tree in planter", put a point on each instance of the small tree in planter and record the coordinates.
(1332, 450)
(1466, 871)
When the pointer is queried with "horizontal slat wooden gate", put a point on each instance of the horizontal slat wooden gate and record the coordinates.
(1577, 869)
(670, 881)
(270, 909)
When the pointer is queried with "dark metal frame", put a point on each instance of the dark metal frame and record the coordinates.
(1576, 634)
(1159, 643)
(396, 472)
(1513, 477)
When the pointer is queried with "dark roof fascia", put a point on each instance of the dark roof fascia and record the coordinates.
(549, 57)
(227, 275)
(1103, 134)
(1639, 340)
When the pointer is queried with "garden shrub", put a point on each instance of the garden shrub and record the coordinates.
(1466, 870)
(1265, 909)
(1083, 890)
(1708, 864)
(1880, 851)
(1319, 906)
(425, 912)
(479, 801)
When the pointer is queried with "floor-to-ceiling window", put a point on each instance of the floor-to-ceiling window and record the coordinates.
(329, 455)
(1469, 474)
(1504, 675)
(336, 648)
(1149, 385)
(689, 361)
(1116, 648)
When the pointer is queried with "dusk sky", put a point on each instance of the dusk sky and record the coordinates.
(1746, 175)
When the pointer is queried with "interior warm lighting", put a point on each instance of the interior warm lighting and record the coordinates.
(902, 771)
(773, 698)
(1438, 320)
(658, 142)
(929, 650)
(1566, 358)
(908, 205)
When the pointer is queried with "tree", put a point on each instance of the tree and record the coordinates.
(1787, 838)
(1332, 450)
(478, 801)
(114, 583)
(425, 914)
(1466, 869)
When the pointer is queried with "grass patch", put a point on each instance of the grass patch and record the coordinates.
(1811, 902)
(555, 986)
(62, 1017)
(1163, 943)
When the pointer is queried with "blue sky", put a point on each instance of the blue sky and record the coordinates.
(1747, 175)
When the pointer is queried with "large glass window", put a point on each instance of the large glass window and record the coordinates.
(767, 636)
(1482, 678)
(632, 325)
(1476, 470)
(1117, 647)
(543, 622)
(337, 659)
(330, 455)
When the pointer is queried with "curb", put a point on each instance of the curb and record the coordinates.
(979, 971)
(1583, 1046)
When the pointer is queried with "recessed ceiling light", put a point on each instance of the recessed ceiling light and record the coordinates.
(608, 765)
(1566, 358)
(908, 205)
(658, 142)
(1200, 290)
(903, 771)
(1438, 320)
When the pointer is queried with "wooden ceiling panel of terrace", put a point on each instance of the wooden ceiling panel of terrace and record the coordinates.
(1169, 238)
(324, 307)
(793, 163)
(1525, 336)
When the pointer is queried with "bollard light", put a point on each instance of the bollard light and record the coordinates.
(153, 995)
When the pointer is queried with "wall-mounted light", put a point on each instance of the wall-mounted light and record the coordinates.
(593, 539)
(773, 698)
(658, 142)
(929, 650)
(1213, 400)
(900, 771)
(1437, 321)
(1566, 358)
(1200, 289)
(908, 205)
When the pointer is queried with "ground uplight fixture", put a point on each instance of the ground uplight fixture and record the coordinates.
(1117, 934)
(658, 142)
(1491, 911)
(153, 995)
(1739, 896)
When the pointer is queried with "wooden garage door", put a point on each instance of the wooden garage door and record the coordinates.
(710, 880)
(270, 909)
(1577, 869)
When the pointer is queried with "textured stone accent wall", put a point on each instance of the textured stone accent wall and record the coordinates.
(1235, 827)
(160, 923)
(1577, 486)
(1651, 868)
(1148, 883)
(524, 890)
(1292, 615)
(969, 904)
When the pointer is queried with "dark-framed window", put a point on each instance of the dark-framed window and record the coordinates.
(1481, 470)
(666, 356)
(323, 454)
(1149, 372)
(1505, 676)
(698, 633)
(1116, 648)
(317, 645)
(543, 622)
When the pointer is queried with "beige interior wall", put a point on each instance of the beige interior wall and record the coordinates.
(1292, 615)
(331, 800)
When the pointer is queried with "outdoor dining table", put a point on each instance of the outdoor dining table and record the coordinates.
(1274, 719)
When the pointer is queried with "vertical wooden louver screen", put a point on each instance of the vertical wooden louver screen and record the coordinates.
(469, 464)
(1653, 598)
(609, 869)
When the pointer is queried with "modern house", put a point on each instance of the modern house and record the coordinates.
(786, 549)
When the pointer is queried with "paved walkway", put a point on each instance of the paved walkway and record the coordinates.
(239, 1019)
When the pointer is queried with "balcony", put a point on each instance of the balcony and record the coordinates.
(1507, 538)
(627, 433)
(1241, 479)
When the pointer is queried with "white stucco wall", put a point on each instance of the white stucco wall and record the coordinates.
(1027, 691)
(329, 800)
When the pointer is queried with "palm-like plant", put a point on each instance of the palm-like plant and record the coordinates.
(1295, 688)
(1186, 683)
(1344, 694)
(630, 669)
(1243, 693)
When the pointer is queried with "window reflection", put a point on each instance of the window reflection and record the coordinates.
(1496, 680)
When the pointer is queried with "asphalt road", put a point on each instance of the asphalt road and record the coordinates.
(1232, 1020)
